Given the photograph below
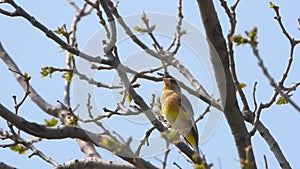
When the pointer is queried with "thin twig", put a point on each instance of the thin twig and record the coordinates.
(166, 154)
(232, 18)
(254, 97)
(50, 34)
(142, 74)
(271, 80)
(94, 82)
(293, 43)
(26, 78)
(179, 30)
(256, 120)
(144, 141)
(203, 114)
(266, 162)
(28, 144)
(285, 32)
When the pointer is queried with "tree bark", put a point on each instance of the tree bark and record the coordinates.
(219, 58)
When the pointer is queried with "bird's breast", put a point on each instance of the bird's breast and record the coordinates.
(170, 106)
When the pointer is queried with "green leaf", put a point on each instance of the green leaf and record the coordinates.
(272, 5)
(44, 72)
(182, 32)
(71, 55)
(139, 29)
(281, 100)
(21, 149)
(61, 30)
(73, 121)
(253, 34)
(144, 18)
(243, 85)
(27, 76)
(239, 40)
(68, 76)
(50, 122)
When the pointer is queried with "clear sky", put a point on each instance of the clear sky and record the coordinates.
(31, 50)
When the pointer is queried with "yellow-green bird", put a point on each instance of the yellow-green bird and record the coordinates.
(178, 111)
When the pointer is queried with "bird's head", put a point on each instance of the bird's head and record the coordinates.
(170, 84)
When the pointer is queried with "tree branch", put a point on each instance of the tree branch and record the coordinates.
(35, 97)
(92, 163)
(69, 132)
(21, 12)
(121, 70)
(6, 166)
(270, 140)
(228, 97)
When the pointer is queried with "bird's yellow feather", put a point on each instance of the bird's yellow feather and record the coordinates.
(178, 112)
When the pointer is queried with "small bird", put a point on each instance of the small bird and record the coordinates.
(178, 111)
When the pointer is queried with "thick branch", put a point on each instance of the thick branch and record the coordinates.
(270, 140)
(91, 163)
(6, 166)
(45, 132)
(35, 97)
(226, 88)
(67, 132)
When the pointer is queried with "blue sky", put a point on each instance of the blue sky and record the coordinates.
(31, 50)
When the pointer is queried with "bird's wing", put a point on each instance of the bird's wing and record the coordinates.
(187, 106)
(191, 134)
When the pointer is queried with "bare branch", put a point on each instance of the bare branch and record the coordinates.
(256, 119)
(166, 154)
(203, 114)
(293, 42)
(271, 80)
(254, 96)
(266, 162)
(274, 147)
(120, 68)
(93, 82)
(112, 25)
(91, 163)
(144, 141)
(270, 140)
(202, 94)
(26, 78)
(220, 62)
(142, 74)
(232, 18)
(21, 12)
(74, 5)
(99, 14)
(6, 166)
(179, 30)
(68, 132)
(35, 97)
